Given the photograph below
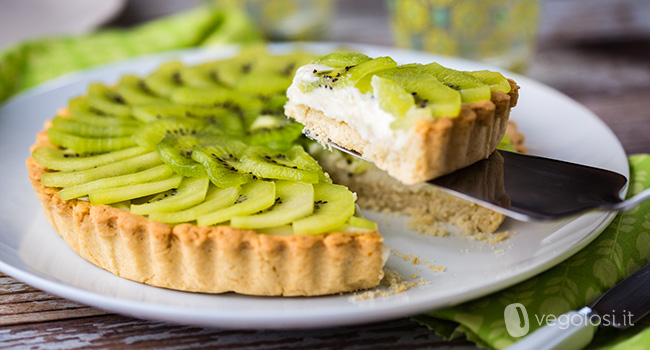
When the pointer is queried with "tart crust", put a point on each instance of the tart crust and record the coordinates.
(213, 259)
(436, 146)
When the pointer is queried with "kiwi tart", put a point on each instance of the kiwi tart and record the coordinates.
(191, 178)
(414, 121)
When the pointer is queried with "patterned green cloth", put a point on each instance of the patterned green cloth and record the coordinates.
(621, 249)
(617, 252)
(32, 62)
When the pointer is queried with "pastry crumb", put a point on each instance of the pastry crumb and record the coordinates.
(416, 260)
(492, 238)
(396, 284)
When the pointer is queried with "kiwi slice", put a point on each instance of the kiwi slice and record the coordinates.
(79, 128)
(216, 96)
(264, 163)
(79, 109)
(103, 99)
(342, 59)
(262, 84)
(427, 91)
(165, 79)
(255, 197)
(495, 80)
(152, 133)
(65, 160)
(225, 119)
(134, 91)
(176, 148)
(83, 144)
(156, 173)
(200, 76)
(361, 223)
(120, 194)
(333, 206)
(126, 166)
(392, 98)
(298, 157)
(274, 131)
(293, 201)
(246, 106)
(351, 75)
(191, 192)
(216, 198)
(220, 161)
(471, 88)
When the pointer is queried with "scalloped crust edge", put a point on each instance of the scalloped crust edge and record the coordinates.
(213, 259)
(436, 146)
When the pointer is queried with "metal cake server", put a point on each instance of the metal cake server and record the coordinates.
(532, 188)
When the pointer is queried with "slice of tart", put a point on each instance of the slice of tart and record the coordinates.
(191, 178)
(431, 210)
(414, 121)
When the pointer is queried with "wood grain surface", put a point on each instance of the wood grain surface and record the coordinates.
(597, 52)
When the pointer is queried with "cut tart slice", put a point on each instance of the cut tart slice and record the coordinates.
(192, 179)
(430, 209)
(414, 121)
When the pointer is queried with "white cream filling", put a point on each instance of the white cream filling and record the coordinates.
(360, 111)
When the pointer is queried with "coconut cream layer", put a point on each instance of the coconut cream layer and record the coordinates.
(360, 111)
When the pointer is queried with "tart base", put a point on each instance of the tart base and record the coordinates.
(436, 147)
(213, 259)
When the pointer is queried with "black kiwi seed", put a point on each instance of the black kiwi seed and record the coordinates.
(242, 198)
(144, 87)
(177, 79)
(118, 99)
(214, 75)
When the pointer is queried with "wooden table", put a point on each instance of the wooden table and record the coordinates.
(599, 55)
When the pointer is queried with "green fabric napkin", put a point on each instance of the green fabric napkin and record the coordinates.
(30, 63)
(620, 250)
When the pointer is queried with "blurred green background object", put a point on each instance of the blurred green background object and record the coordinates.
(498, 32)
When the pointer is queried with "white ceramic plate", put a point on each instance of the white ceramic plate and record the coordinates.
(555, 126)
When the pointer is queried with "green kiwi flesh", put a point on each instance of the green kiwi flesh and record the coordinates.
(191, 192)
(216, 198)
(495, 80)
(155, 173)
(64, 160)
(333, 206)
(123, 193)
(293, 201)
(255, 197)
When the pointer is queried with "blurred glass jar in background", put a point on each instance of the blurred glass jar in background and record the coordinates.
(282, 20)
(498, 32)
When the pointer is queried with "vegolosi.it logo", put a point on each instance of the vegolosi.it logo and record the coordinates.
(518, 324)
